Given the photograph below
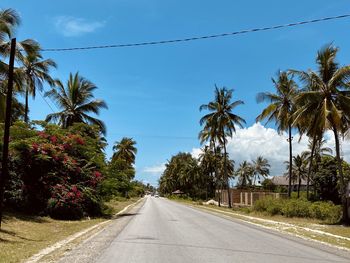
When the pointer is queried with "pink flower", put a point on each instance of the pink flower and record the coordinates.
(42, 134)
(80, 141)
(35, 147)
(97, 174)
(53, 139)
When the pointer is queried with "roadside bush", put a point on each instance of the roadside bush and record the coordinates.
(296, 208)
(325, 211)
(269, 205)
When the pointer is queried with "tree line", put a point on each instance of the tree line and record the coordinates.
(308, 101)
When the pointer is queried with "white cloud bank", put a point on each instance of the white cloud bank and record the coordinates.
(154, 170)
(73, 26)
(248, 143)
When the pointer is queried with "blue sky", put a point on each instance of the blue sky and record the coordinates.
(154, 92)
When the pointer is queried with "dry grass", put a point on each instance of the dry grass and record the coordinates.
(22, 236)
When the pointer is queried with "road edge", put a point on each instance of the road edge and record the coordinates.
(324, 246)
(60, 244)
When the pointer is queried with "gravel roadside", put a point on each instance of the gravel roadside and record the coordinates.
(88, 250)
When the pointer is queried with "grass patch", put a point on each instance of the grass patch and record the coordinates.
(22, 236)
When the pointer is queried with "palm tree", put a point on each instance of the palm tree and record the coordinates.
(9, 20)
(299, 168)
(222, 122)
(280, 110)
(76, 102)
(261, 167)
(125, 150)
(245, 174)
(314, 155)
(36, 72)
(327, 96)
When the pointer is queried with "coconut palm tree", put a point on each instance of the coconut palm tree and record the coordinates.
(280, 109)
(125, 150)
(76, 101)
(245, 174)
(9, 20)
(35, 72)
(299, 168)
(261, 167)
(326, 94)
(314, 155)
(222, 122)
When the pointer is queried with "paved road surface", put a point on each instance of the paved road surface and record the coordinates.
(164, 231)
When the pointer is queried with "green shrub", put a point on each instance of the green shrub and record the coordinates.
(326, 211)
(296, 208)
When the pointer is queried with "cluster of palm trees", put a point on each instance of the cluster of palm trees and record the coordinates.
(248, 173)
(219, 124)
(321, 103)
(32, 72)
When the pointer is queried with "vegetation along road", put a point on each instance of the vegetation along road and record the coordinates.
(165, 231)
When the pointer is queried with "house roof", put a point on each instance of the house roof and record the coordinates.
(284, 181)
(178, 192)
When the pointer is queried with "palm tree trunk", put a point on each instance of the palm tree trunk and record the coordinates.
(290, 161)
(310, 166)
(26, 109)
(225, 173)
(299, 183)
(345, 217)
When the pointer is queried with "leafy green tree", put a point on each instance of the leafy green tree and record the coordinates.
(280, 109)
(76, 101)
(222, 122)
(326, 94)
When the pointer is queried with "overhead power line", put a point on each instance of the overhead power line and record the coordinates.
(199, 37)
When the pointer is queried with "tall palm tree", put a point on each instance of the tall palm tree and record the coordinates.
(76, 101)
(223, 122)
(245, 174)
(327, 96)
(36, 72)
(280, 110)
(125, 150)
(261, 167)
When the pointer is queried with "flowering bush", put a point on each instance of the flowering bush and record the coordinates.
(56, 167)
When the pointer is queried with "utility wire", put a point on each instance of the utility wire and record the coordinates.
(43, 97)
(199, 37)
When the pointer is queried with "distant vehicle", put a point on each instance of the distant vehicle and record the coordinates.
(152, 194)
(157, 196)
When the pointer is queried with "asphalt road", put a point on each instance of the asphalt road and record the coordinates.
(165, 231)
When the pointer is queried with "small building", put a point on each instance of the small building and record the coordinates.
(178, 192)
(283, 181)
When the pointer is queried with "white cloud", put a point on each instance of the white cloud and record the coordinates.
(154, 170)
(73, 26)
(249, 143)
